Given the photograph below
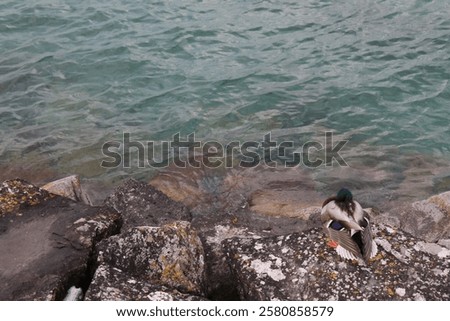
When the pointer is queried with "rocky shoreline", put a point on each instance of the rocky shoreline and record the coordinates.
(139, 244)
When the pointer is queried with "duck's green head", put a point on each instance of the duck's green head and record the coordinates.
(344, 195)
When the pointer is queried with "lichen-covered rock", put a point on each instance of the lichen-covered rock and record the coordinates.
(113, 284)
(300, 266)
(171, 255)
(428, 219)
(241, 223)
(220, 285)
(46, 242)
(142, 205)
(69, 187)
(18, 194)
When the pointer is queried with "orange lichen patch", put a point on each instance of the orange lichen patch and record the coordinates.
(377, 257)
(356, 292)
(378, 272)
(17, 193)
(392, 264)
(390, 292)
(174, 274)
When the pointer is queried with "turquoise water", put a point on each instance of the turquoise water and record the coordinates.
(75, 74)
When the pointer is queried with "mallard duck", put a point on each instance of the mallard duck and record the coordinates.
(348, 227)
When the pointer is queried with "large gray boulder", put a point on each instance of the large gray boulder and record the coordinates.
(149, 258)
(427, 219)
(300, 266)
(47, 241)
(142, 205)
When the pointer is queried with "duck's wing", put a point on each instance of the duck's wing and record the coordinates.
(342, 252)
(369, 245)
(348, 247)
(333, 212)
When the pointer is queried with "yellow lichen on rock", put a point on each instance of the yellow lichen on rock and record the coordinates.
(173, 274)
(16, 193)
(390, 292)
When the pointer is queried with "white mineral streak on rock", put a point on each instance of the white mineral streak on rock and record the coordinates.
(83, 228)
(441, 272)
(258, 246)
(444, 253)
(432, 248)
(384, 244)
(388, 248)
(159, 296)
(390, 230)
(444, 242)
(400, 292)
(419, 297)
(227, 232)
(302, 271)
(265, 268)
(81, 220)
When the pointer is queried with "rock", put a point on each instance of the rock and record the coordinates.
(433, 248)
(46, 241)
(171, 256)
(299, 266)
(181, 188)
(428, 219)
(219, 283)
(240, 242)
(113, 284)
(97, 191)
(277, 204)
(268, 191)
(250, 201)
(18, 194)
(445, 243)
(142, 205)
(217, 226)
(69, 187)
